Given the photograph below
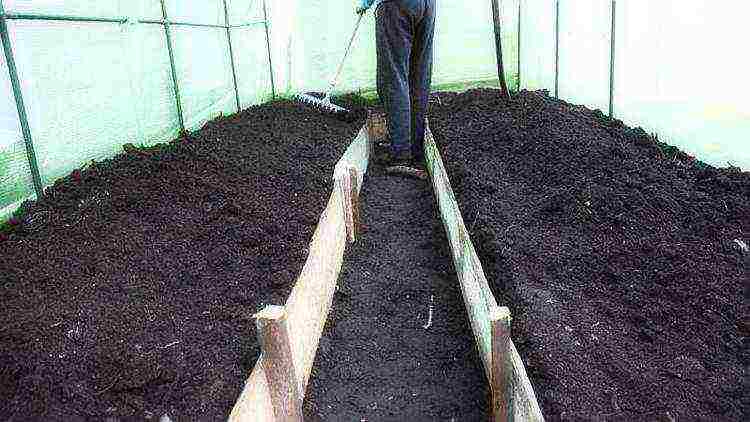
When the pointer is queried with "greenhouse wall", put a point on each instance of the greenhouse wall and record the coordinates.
(124, 76)
(95, 75)
(677, 68)
(464, 44)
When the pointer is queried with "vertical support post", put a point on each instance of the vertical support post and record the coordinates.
(175, 84)
(346, 185)
(612, 61)
(278, 364)
(557, 48)
(354, 189)
(231, 55)
(502, 406)
(518, 45)
(371, 134)
(18, 94)
(268, 47)
(499, 48)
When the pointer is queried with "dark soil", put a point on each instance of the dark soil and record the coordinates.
(377, 361)
(617, 256)
(129, 291)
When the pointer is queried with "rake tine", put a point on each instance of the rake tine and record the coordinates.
(322, 104)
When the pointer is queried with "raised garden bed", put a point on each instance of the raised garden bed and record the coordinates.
(130, 291)
(289, 335)
(621, 259)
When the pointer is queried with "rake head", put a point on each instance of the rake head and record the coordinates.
(326, 106)
(323, 104)
(408, 171)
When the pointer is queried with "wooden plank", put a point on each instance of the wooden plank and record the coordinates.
(357, 155)
(343, 185)
(471, 290)
(305, 315)
(354, 186)
(501, 367)
(347, 182)
(525, 405)
(278, 366)
(310, 300)
(521, 403)
(254, 402)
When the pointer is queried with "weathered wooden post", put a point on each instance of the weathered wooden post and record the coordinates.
(347, 185)
(278, 364)
(354, 180)
(499, 48)
(501, 367)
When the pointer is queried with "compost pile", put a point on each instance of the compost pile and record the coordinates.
(623, 259)
(129, 291)
(397, 345)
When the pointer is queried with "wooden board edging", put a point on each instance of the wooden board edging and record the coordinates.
(517, 401)
(306, 309)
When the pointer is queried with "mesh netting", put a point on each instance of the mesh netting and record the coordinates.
(15, 178)
(83, 107)
(91, 87)
(673, 74)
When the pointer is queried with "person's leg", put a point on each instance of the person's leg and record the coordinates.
(420, 76)
(394, 41)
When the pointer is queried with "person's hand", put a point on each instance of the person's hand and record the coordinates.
(363, 6)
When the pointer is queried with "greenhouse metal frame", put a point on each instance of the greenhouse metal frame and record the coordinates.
(579, 173)
(165, 22)
(632, 60)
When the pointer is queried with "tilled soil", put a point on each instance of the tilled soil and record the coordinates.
(129, 291)
(621, 258)
(382, 356)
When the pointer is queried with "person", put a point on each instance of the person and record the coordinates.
(404, 36)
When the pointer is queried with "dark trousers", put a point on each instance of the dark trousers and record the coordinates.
(404, 33)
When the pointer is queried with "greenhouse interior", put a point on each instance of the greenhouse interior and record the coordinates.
(207, 210)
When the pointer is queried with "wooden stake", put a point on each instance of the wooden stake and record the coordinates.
(348, 185)
(344, 186)
(273, 334)
(501, 368)
(499, 48)
(369, 124)
(354, 185)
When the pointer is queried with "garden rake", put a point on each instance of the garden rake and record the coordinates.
(325, 105)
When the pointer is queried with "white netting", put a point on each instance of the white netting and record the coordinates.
(205, 74)
(680, 70)
(253, 76)
(321, 30)
(210, 12)
(91, 87)
(464, 48)
(15, 179)
(584, 52)
(10, 128)
(538, 45)
(145, 9)
(242, 12)
(509, 14)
